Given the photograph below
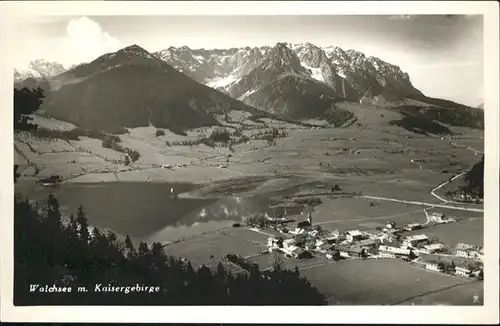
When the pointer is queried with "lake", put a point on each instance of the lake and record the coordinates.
(145, 211)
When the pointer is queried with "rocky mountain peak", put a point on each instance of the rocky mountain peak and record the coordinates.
(134, 50)
(282, 57)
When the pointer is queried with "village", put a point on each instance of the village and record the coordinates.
(307, 240)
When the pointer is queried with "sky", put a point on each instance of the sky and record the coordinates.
(443, 54)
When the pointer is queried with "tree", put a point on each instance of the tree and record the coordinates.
(26, 101)
(336, 256)
(83, 226)
(16, 174)
(276, 262)
(129, 247)
(480, 275)
(53, 213)
(134, 155)
(452, 267)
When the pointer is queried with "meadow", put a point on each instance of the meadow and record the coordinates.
(383, 282)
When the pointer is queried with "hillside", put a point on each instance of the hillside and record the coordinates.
(474, 180)
(131, 88)
(451, 113)
(299, 97)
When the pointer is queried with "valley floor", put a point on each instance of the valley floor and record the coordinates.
(395, 176)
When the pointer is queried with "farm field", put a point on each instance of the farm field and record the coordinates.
(212, 247)
(348, 213)
(384, 281)
(463, 295)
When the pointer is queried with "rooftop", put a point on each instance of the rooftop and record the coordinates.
(349, 249)
(464, 246)
(463, 269)
(367, 242)
(354, 233)
(434, 246)
(417, 237)
(395, 250)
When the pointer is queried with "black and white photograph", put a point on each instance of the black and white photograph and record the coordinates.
(167, 159)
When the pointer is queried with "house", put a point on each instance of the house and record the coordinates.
(288, 243)
(321, 242)
(440, 218)
(282, 229)
(368, 243)
(397, 252)
(413, 226)
(437, 216)
(468, 253)
(297, 231)
(415, 240)
(435, 247)
(324, 247)
(313, 233)
(296, 252)
(354, 235)
(464, 246)
(390, 225)
(310, 245)
(462, 271)
(386, 254)
(433, 266)
(354, 251)
(272, 242)
(300, 239)
(466, 250)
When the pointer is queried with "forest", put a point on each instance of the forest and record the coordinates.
(63, 252)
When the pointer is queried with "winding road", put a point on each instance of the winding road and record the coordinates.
(444, 184)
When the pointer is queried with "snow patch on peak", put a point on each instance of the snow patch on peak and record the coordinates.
(221, 81)
(247, 93)
(316, 73)
(341, 73)
(199, 58)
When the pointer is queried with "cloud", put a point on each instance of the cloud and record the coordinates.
(86, 40)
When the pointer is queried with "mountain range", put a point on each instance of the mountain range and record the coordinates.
(351, 74)
(184, 88)
(39, 68)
